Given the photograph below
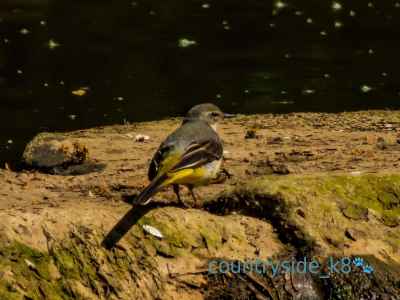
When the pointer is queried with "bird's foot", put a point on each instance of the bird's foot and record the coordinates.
(197, 204)
(184, 204)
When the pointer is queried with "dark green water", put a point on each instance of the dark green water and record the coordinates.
(250, 56)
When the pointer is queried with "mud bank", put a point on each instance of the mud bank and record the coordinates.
(320, 186)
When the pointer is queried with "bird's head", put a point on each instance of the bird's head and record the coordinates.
(206, 112)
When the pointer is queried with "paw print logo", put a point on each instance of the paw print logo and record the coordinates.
(358, 261)
(368, 269)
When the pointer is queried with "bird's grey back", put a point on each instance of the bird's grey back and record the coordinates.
(188, 133)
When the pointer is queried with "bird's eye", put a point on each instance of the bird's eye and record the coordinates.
(214, 114)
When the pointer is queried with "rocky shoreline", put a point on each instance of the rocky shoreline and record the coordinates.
(299, 185)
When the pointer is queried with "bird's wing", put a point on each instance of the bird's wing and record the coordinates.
(194, 155)
(165, 158)
(199, 153)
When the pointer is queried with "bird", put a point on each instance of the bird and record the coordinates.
(190, 156)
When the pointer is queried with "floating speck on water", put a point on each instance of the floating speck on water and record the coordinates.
(45, 84)
(52, 44)
(397, 4)
(352, 13)
(365, 88)
(283, 102)
(205, 5)
(10, 141)
(119, 98)
(326, 75)
(19, 72)
(246, 91)
(24, 31)
(309, 20)
(272, 25)
(384, 74)
(370, 51)
(226, 26)
(62, 82)
(323, 33)
(43, 23)
(218, 96)
(370, 4)
(184, 43)
(280, 4)
(287, 55)
(283, 92)
(152, 13)
(298, 13)
(6, 40)
(72, 117)
(82, 91)
(308, 92)
(133, 3)
(338, 24)
(336, 6)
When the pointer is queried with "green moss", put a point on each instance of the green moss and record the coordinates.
(378, 192)
(211, 237)
(65, 262)
(28, 273)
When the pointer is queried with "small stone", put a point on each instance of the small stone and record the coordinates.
(301, 213)
(355, 212)
(381, 144)
(353, 234)
(153, 231)
(251, 134)
(141, 138)
(390, 221)
(275, 140)
(281, 169)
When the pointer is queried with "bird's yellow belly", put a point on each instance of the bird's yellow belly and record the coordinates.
(197, 176)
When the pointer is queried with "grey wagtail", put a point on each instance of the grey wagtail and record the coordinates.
(190, 156)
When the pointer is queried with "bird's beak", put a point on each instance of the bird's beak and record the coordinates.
(226, 115)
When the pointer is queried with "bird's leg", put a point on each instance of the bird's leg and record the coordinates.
(176, 191)
(190, 187)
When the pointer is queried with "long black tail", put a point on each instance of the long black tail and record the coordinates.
(150, 190)
(134, 214)
(124, 225)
